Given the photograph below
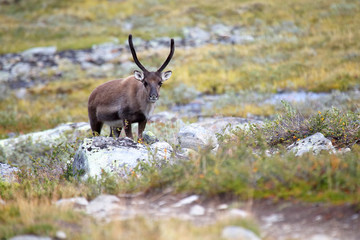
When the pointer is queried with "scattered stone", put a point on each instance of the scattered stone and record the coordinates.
(29, 237)
(102, 206)
(78, 202)
(196, 36)
(271, 219)
(222, 206)
(120, 156)
(7, 172)
(4, 76)
(149, 137)
(314, 143)
(238, 233)
(197, 210)
(320, 237)
(60, 235)
(196, 137)
(238, 213)
(225, 125)
(2, 202)
(39, 51)
(186, 201)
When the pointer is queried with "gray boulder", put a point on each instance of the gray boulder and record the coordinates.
(117, 155)
(17, 150)
(314, 143)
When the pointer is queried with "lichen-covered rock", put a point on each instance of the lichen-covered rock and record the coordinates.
(314, 143)
(117, 155)
(17, 150)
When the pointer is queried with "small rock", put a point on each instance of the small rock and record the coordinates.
(60, 235)
(7, 172)
(39, 51)
(238, 213)
(223, 207)
(29, 237)
(79, 202)
(314, 143)
(196, 137)
(320, 237)
(21, 69)
(103, 205)
(149, 137)
(2, 202)
(238, 233)
(197, 210)
(4, 76)
(186, 201)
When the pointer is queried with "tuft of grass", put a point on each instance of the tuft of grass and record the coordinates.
(343, 128)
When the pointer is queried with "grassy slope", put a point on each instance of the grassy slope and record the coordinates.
(324, 57)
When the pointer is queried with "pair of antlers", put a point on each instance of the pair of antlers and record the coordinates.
(172, 49)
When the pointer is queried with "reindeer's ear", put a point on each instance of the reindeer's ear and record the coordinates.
(139, 75)
(166, 75)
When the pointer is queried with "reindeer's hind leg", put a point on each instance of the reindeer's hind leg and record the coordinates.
(115, 131)
(95, 125)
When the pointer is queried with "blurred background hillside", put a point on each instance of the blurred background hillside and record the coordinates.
(233, 57)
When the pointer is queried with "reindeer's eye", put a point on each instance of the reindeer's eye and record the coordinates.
(145, 84)
(160, 84)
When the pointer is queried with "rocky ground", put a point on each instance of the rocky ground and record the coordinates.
(277, 220)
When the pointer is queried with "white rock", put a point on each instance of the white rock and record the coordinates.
(2, 202)
(197, 210)
(320, 237)
(119, 156)
(29, 237)
(186, 201)
(223, 207)
(314, 143)
(7, 172)
(238, 233)
(78, 202)
(60, 235)
(40, 51)
(4, 76)
(21, 69)
(103, 205)
(225, 125)
(40, 140)
(196, 137)
(238, 213)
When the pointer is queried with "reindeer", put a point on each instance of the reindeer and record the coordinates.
(119, 103)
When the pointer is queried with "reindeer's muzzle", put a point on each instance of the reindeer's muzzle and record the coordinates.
(153, 98)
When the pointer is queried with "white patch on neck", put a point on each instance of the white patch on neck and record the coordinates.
(149, 110)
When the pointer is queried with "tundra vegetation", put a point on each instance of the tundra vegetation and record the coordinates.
(320, 55)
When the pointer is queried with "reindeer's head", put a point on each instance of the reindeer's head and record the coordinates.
(152, 81)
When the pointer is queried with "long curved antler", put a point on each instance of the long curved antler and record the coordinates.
(172, 50)
(136, 60)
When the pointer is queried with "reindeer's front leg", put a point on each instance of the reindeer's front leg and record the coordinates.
(127, 127)
(141, 128)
